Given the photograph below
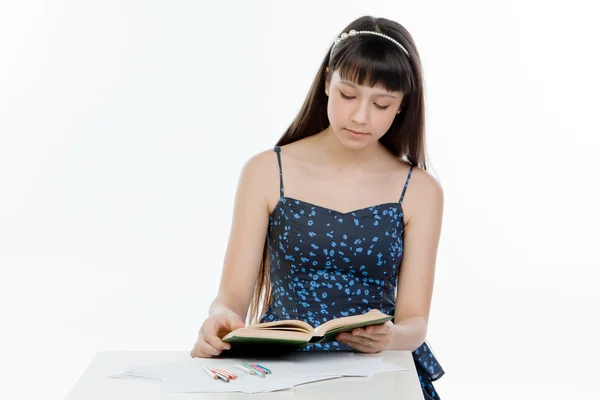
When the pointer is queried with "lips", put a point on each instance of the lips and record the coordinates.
(357, 132)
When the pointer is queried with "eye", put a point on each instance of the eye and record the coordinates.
(350, 98)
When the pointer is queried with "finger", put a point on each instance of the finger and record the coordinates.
(198, 352)
(216, 343)
(212, 339)
(383, 329)
(234, 322)
(362, 348)
(374, 336)
(347, 337)
(208, 349)
(363, 342)
(360, 343)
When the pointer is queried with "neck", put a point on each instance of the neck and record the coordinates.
(335, 152)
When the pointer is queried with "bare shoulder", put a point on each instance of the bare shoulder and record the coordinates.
(425, 183)
(260, 162)
(261, 173)
(261, 167)
(424, 194)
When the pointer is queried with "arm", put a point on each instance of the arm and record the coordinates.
(415, 281)
(246, 238)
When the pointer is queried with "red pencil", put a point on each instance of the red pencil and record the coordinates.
(259, 368)
(224, 371)
(220, 375)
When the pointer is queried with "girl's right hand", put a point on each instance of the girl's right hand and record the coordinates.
(213, 329)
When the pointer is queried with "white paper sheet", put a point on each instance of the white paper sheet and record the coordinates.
(153, 372)
(188, 375)
(343, 363)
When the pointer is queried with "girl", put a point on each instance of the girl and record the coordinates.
(326, 225)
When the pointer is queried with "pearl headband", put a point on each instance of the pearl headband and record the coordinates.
(354, 33)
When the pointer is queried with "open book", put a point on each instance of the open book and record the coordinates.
(288, 335)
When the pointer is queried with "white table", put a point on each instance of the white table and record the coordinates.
(94, 385)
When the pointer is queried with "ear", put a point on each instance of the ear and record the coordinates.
(327, 80)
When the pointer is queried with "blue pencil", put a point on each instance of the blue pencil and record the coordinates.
(256, 370)
(265, 368)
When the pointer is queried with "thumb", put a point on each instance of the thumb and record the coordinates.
(234, 322)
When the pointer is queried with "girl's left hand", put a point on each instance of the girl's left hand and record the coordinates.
(370, 339)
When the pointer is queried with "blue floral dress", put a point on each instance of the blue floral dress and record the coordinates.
(326, 264)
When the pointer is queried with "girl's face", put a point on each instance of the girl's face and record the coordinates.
(362, 109)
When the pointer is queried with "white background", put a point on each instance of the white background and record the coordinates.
(124, 125)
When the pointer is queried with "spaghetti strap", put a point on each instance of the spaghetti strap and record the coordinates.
(406, 184)
(277, 150)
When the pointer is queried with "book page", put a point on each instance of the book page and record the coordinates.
(369, 318)
(285, 324)
(269, 334)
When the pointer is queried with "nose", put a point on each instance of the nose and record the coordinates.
(360, 115)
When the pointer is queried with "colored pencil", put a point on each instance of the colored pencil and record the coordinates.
(257, 371)
(265, 368)
(259, 368)
(225, 372)
(221, 376)
(246, 370)
(210, 373)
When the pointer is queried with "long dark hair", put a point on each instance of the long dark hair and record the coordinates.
(371, 60)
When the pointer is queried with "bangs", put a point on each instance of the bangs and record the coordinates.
(377, 64)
